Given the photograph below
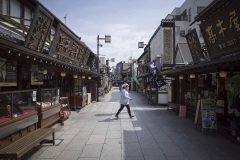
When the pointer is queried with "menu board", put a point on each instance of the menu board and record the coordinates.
(209, 119)
(8, 74)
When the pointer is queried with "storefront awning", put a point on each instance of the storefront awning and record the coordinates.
(228, 63)
(15, 51)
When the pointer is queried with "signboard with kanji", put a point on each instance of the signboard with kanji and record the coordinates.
(66, 47)
(194, 45)
(167, 48)
(8, 72)
(38, 30)
(221, 32)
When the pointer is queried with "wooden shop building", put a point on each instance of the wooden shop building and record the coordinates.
(212, 82)
(45, 70)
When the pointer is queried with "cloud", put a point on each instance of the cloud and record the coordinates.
(124, 42)
(127, 21)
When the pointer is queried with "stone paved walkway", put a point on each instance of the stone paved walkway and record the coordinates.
(154, 133)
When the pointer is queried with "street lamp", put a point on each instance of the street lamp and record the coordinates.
(107, 39)
(141, 44)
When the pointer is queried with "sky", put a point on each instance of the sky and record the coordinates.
(127, 21)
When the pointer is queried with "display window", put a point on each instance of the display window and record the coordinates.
(16, 104)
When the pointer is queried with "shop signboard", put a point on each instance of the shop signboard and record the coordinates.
(209, 119)
(39, 29)
(167, 46)
(8, 74)
(66, 47)
(85, 57)
(221, 32)
(194, 45)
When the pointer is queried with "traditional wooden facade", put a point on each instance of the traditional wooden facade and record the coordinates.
(42, 60)
(215, 72)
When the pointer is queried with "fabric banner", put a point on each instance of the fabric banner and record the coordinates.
(160, 81)
(154, 77)
(135, 79)
(153, 69)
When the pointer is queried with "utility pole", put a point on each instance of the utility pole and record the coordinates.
(65, 18)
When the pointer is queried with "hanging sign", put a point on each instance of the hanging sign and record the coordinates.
(194, 45)
(39, 29)
(221, 32)
(66, 47)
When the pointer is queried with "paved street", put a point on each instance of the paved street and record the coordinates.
(154, 133)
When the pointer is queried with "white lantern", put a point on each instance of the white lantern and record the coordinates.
(74, 76)
(181, 77)
(45, 71)
(192, 75)
(223, 74)
(63, 74)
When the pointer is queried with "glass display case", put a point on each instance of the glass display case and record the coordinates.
(16, 104)
(79, 99)
(65, 110)
(49, 107)
(49, 97)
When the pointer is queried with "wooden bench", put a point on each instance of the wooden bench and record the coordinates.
(18, 148)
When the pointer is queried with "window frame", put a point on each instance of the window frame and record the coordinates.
(201, 8)
(189, 14)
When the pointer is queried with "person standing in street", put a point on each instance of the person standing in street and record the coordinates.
(124, 100)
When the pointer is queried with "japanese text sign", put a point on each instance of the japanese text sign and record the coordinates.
(194, 45)
(221, 32)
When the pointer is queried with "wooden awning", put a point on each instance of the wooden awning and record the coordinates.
(227, 63)
(21, 53)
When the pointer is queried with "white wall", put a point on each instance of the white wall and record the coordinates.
(156, 44)
(193, 4)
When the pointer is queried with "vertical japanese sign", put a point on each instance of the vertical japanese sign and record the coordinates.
(8, 72)
(194, 45)
(221, 32)
(167, 46)
(38, 31)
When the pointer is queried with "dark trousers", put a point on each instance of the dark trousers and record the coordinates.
(121, 108)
